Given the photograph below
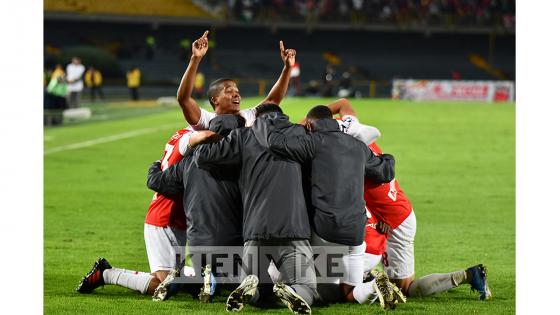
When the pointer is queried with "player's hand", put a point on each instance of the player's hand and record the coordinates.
(203, 136)
(200, 46)
(288, 55)
(382, 227)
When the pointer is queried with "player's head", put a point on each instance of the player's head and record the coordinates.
(76, 60)
(224, 96)
(266, 108)
(316, 113)
(224, 124)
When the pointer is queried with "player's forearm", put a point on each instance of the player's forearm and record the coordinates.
(190, 108)
(163, 182)
(380, 169)
(280, 88)
(342, 107)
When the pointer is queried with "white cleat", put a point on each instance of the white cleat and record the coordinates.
(242, 294)
(291, 299)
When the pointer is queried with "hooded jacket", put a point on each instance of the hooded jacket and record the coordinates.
(211, 199)
(271, 186)
(338, 165)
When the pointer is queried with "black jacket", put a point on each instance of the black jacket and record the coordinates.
(271, 187)
(339, 163)
(211, 200)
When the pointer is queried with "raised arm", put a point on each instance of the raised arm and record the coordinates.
(226, 152)
(380, 169)
(168, 182)
(351, 125)
(190, 108)
(342, 107)
(279, 89)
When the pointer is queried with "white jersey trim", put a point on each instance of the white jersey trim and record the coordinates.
(250, 115)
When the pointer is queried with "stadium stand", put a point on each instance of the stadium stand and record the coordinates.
(248, 51)
(176, 8)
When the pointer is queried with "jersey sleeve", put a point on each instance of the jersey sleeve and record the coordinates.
(351, 126)
(184, 143)
(204, 121)
(250, 115)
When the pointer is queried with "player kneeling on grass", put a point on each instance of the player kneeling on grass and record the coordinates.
(391, 227)
(337, 195)
(212, 202)
(275, 219)
(164, 234)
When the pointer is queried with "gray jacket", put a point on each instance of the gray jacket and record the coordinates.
(271, 187)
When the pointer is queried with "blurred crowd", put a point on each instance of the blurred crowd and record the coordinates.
(363, 12)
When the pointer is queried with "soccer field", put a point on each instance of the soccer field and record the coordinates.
(455, 162)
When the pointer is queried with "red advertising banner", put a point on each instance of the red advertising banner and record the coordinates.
(426, 90)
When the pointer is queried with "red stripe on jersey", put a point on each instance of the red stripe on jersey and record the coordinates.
(165, 211)
(386, 201)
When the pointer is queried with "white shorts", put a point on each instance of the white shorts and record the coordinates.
(398, 259)
(165, 246)
(353, 261)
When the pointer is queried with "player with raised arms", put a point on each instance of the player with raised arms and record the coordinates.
(223, 94)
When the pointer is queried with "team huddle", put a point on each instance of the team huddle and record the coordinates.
(283, 204)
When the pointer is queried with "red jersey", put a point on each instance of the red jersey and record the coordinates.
(386, 201)
(165, 211)
(376, 243)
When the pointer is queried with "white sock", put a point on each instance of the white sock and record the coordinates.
(134, 280)
(370, 261)
(437, 282)
(364, 293)
(188, 271)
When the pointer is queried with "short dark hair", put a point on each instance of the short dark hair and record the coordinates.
(268, 108)
(319, 112)
(215, 88)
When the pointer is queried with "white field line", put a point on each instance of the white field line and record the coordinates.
(116, 137)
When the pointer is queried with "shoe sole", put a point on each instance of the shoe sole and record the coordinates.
(383, 284)
(205, 295)
(160, 293)
(294, 301)
(242, 294)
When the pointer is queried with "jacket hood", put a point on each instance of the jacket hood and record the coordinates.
(267, 123)
(224, 124)
(326, 124)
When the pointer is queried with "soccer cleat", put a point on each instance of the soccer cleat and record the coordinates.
(166, 288)
(291, 299)
(242, 294)
(384, 289)
(209, 286)
(94, 278)
(479, 283)
(397, 294)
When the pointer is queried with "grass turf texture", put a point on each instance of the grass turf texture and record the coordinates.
(456, 162)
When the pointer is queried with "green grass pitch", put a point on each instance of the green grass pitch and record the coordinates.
(455, 161)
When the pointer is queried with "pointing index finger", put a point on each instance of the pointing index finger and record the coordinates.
(281, 46)
(205, 34)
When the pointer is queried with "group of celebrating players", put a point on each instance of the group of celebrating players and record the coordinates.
(280, 192)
